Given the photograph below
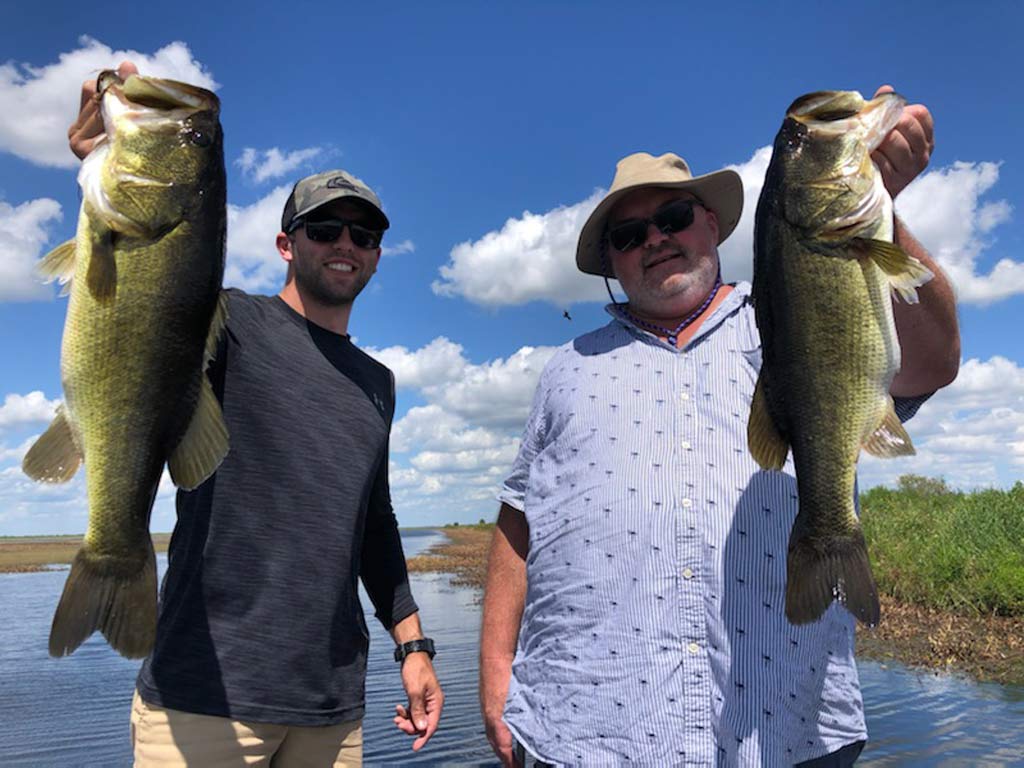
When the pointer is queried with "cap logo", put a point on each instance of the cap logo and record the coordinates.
(340, 182)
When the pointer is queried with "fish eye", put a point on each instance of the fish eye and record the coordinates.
(200, 138)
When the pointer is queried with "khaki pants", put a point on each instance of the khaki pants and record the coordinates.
(166, 737)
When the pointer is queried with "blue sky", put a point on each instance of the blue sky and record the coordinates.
(489, 131)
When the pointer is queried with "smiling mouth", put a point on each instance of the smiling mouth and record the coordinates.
(340, 267)
(663, 259)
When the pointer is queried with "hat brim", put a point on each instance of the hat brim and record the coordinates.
(721, 191)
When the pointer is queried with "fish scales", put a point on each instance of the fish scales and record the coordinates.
(824, 270)
(144, 313)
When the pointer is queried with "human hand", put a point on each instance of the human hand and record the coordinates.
(906, 150)
(88, 126)
(492, 705)
(420, 717)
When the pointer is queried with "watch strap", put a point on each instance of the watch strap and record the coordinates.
(422, 645)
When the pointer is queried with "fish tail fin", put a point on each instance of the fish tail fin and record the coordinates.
(904, 272)
(115, 596)
(839, 570)
(890, 438)
(767, 446)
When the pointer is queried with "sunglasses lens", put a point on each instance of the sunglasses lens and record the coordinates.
(669, 219)
(627, 235)
(329, 231)
(674, 217)
(324, 231)
(363, 237)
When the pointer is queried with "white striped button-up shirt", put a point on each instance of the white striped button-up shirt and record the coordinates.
(654, 630)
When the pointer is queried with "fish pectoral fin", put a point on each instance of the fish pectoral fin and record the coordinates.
(59, 264)
(101, 276)
(55, 456)
(889, 438)
(220, 319)
(767, 446)
(904, 272)
(204, 445)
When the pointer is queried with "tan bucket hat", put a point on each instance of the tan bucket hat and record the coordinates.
(721, 191)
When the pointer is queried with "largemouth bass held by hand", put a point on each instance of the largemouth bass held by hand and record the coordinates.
(144, 313)
(824, 266)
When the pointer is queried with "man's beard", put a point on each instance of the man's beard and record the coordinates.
(313, 281)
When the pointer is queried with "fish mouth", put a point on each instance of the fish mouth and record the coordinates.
(156, 93)
(838, 112)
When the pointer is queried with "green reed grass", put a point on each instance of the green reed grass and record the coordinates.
(945, 549)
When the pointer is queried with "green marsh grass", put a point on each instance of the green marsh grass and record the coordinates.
(948, 550)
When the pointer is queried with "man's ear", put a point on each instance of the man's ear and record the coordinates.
(284, 246)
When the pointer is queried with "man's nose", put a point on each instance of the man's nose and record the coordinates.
(655, 236)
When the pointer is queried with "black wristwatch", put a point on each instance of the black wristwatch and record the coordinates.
(424, 645)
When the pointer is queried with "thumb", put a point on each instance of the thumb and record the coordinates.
(884, 89)
(418, 711)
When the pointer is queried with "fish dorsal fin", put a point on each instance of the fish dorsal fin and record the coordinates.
(889, 438)
(767, 446)
(204, 444)
(59, 264)
(55, 456)
(904, 272)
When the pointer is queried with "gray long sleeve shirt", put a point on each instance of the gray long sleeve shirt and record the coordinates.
(260, 616)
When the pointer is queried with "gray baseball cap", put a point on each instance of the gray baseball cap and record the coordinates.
(313, 191)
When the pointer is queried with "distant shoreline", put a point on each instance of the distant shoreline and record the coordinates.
(986, 648)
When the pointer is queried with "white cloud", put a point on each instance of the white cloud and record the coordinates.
(971, 433)
(24, 231)
(944, 210)
(439, 362)
(406, 246)
(253, 263)
(529, 258)
(32, 408)
(461, 444)
(38, 103)
(533, 257)
(737, 253)
(261, 165)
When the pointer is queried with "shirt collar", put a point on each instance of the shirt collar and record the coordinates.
(738, 296)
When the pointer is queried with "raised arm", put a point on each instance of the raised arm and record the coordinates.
(928, 331)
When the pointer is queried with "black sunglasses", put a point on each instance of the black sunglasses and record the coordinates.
(329, 230)
(674, 216)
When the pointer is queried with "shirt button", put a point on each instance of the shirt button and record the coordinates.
(685, 445)
(693, 648)
(687, 573)
(687, 503)
(683, 396)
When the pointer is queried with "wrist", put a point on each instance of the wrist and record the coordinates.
(418, 645)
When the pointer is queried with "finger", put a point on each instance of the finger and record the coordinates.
(126, 68)
(884, 89)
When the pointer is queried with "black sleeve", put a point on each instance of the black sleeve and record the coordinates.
(382, 563)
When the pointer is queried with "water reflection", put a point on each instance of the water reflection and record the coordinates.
(74, 711)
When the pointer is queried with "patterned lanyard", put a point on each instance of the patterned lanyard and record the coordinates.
(673, 336)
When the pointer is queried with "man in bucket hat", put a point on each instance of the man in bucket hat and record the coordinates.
(261, 644)
(634, 607)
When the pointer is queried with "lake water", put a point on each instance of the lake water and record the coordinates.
(74, 711)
